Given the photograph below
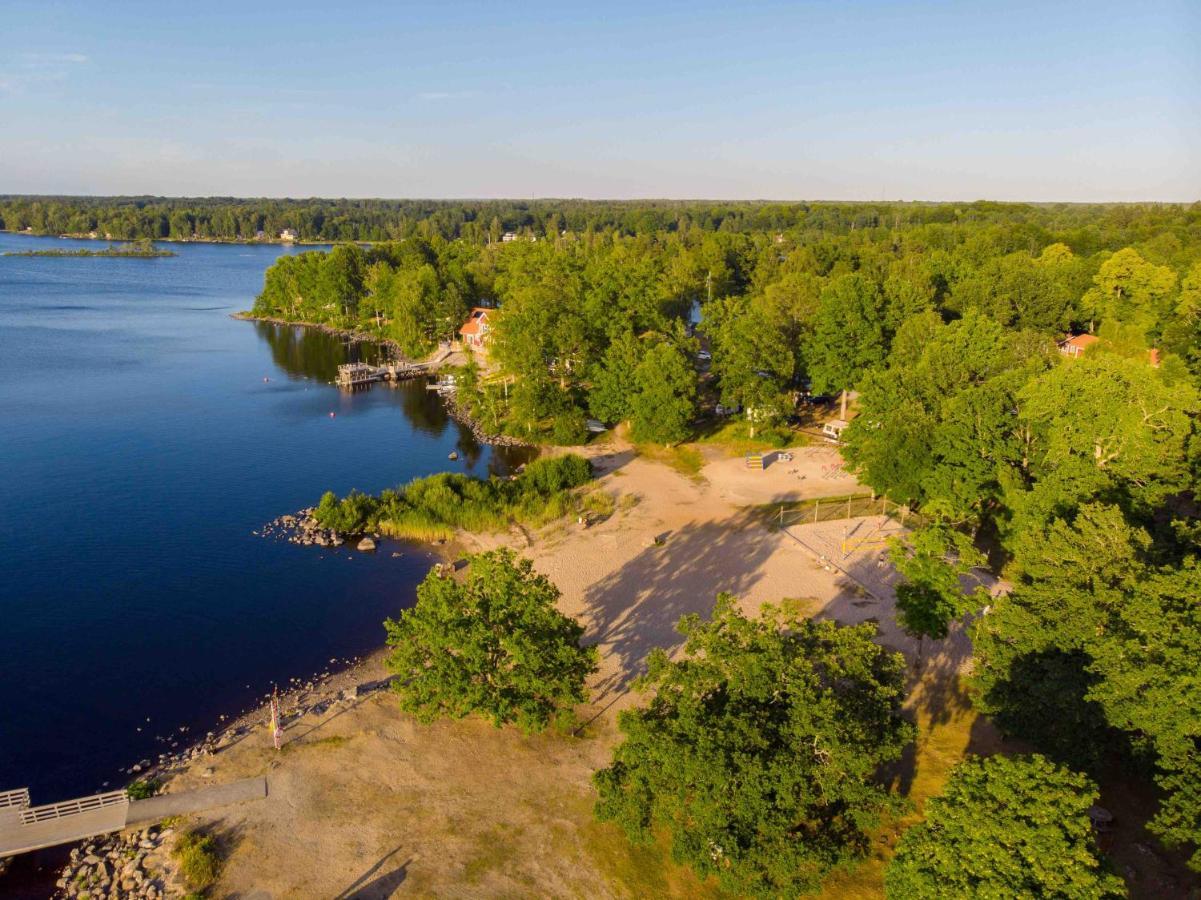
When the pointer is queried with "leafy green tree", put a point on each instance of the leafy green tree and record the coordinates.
(1098, 640)
(1004, 827)
(936, 563)
(936, 427)
(1129, 289)
(492, 643)
(1082, 444)
(614, 382)
(758, 750)
(752, 359)
(848, 337)
(664, 402)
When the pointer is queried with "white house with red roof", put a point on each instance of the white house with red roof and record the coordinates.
(1075, 345)
(474, 331)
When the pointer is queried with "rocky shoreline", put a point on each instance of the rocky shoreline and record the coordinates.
(463, 417)
(138, 862)
(127, 864)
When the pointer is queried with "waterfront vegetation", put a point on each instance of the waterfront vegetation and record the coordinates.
(143, 249)
(490, 644)
(433, 508)
(198, 858)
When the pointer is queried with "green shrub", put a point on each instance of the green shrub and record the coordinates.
(142, 789)
(198, 858)
(433, 508)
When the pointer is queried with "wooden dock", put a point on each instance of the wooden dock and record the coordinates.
(354, 375)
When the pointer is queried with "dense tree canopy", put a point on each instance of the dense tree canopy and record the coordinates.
(492, 643)
(758, 750)
(1004, 828)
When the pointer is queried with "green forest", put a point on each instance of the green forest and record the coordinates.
(1074, 478)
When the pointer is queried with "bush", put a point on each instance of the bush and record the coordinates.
(432, 508)
(198, 859)
(142, 789)
(569, 428)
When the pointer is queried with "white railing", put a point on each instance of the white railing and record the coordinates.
(67, 808)
(18, 798)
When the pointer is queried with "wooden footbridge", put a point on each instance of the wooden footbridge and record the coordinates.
(24, 827)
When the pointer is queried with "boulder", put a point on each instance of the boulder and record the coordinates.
(366, 544)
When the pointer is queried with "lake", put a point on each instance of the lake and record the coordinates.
(144, 435)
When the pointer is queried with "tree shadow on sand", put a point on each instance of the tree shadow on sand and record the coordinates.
(368, 886)
(636, 608)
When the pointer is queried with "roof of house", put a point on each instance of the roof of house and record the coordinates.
(477, 318)
(1079, 340)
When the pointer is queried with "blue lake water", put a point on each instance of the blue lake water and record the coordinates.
(140, 445)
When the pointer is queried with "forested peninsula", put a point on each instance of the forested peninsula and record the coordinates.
(135, 250)
(1026, 377)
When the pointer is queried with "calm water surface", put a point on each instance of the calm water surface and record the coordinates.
(144, 435)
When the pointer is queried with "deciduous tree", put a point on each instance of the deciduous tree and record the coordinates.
(492, 644)
(758, 751)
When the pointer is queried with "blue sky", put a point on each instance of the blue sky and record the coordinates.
(851, 100)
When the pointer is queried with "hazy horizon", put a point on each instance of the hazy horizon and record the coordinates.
(871, 101)
(916, 201)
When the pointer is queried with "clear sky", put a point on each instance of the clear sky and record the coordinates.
(805, 100)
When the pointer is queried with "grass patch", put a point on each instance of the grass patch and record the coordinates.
(598, 504)
(434, 508)
(199, 861)
(734, 436)
(330, 743)
(499, 849)
(628, 501)
(643, 870)
(684, 459)
(943, 739)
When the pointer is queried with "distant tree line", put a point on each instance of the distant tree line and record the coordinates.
(1085, 228)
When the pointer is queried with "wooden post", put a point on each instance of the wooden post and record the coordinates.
(848, 507)
(816, 506)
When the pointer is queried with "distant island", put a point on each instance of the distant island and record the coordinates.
(135, 250)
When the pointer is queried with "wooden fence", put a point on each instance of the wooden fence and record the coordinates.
(832, 509)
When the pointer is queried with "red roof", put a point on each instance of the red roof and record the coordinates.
(477, 319)
(1080, 340)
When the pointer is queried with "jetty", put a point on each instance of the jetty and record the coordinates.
(353, 375)
(24, 827)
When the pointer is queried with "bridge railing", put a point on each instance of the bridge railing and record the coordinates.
(67, 808)
(18, 799)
